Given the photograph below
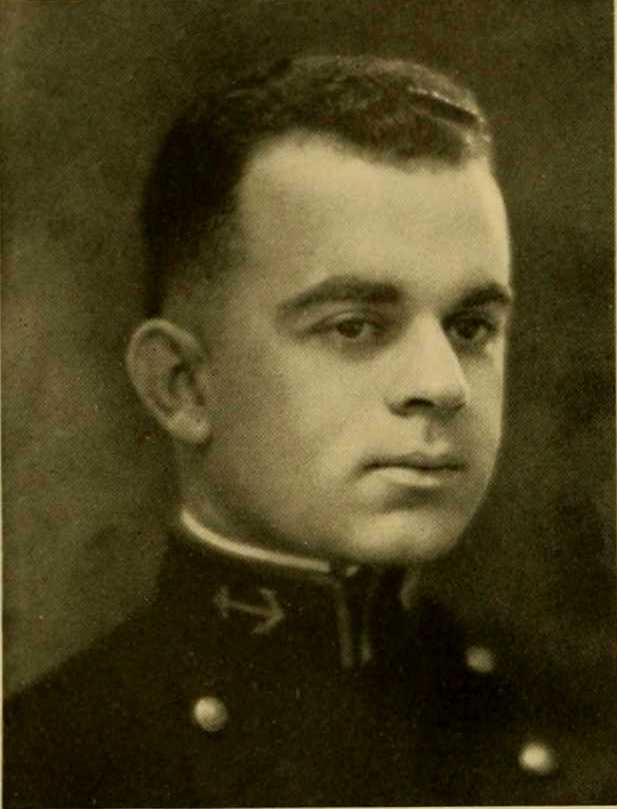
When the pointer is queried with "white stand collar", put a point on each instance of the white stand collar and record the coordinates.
(242, 550)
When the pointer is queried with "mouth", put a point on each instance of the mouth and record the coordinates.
(419, 470)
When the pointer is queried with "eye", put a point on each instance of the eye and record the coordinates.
(354, 328)
(473, 330)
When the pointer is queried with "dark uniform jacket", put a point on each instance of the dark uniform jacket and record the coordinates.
(253, 685)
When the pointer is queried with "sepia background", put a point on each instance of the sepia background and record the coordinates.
(91, 85)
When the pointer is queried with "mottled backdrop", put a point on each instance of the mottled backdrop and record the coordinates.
(91, 86)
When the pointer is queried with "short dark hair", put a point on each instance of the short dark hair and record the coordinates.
(394, 110)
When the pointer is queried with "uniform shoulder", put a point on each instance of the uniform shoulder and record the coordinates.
(111, 655)
(66, 718)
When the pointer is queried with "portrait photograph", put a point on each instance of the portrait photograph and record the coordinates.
(308, 365)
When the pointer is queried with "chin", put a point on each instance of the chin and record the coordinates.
(397, 539)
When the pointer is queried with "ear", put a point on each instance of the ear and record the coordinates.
(166, 365)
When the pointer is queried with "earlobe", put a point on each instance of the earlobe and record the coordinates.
(167, 368)
(188, 427)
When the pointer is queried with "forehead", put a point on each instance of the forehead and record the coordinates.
(305, 204)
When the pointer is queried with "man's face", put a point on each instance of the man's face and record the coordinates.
(357, 361)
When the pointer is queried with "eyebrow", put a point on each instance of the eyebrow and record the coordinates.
(491, 293)
(342, 288)
(348, 288)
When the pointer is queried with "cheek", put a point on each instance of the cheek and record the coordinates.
(486, 408)
(265, 401)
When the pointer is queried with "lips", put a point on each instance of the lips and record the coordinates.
(419, 470)
(420, 460)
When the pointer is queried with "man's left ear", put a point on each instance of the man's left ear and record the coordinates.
(166, 365)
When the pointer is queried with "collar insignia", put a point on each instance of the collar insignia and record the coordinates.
(269, 609)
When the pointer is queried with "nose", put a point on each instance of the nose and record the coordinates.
(428, 371)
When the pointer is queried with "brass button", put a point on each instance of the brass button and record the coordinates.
(480, 660)
(537, 758)
(210, 714)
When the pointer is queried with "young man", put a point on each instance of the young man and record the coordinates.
(329, 299)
